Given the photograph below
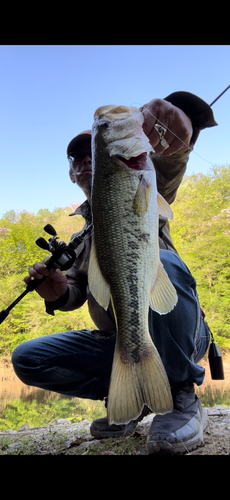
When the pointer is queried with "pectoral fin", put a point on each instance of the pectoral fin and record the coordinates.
(163, 297)
(142, 197)
(98, 286)
(163, 207)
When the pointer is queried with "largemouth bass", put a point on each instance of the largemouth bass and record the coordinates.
(124, 261)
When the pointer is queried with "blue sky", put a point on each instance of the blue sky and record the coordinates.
(48, 94)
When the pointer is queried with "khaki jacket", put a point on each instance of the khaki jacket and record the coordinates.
(169, 172)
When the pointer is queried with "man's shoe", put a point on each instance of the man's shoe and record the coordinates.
(181, 430)
(101, 429)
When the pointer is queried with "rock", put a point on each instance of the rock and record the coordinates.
(62, 421)
(66, 438)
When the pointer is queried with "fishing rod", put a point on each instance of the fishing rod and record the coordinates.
(62, 257)
(219, 96)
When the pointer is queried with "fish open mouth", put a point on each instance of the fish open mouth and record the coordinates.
(135, 162)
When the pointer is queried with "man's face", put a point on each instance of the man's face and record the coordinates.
(81, 166)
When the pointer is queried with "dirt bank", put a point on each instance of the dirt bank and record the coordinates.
(61, 437)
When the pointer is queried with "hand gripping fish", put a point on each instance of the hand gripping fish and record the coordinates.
(124, 261)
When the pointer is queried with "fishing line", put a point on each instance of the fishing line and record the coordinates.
(167, 128)
(161, 123)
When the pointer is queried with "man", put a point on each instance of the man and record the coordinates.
(78, 363)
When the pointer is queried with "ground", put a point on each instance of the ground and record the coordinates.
(62, 437)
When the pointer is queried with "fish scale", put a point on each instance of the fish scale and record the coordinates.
(121, 240)
(124, 262)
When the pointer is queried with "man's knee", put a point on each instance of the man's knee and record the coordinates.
(170, 261)
(22, 362)
(173, 263)
(179, 274)
(15, 356)
(169, 258)
(19, 351)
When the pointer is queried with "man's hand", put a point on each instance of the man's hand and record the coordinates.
(53, 287)
(168, 115)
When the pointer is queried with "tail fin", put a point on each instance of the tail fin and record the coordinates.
(134, 385)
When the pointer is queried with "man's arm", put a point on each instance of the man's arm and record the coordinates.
(169, 172)
(185, 115)
(75, 294)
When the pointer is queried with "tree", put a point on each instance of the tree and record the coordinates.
(18, 232)
(201, 234)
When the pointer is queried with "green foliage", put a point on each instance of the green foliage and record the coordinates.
(28, 319)
(49, 406)
(213, 395)
(201, 234)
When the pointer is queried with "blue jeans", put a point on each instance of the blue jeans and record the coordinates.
(79, 363)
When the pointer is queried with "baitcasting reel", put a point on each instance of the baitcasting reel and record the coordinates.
(62, 257)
